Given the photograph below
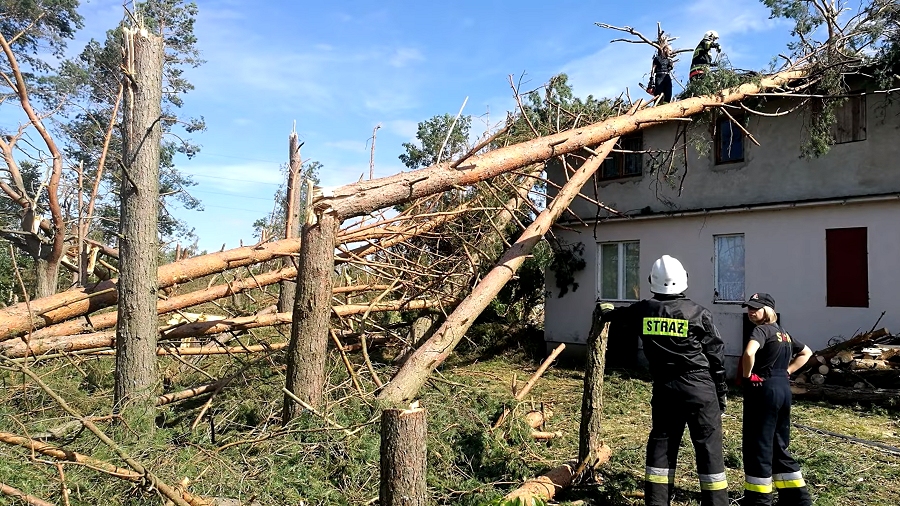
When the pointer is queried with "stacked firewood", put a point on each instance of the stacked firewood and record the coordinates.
(866, 361)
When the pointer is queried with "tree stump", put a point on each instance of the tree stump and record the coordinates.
(403, 457)
(590, 439)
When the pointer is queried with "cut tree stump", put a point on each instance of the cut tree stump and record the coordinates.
(403, 457)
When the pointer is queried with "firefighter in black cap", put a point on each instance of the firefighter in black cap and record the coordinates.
(686, 357)
(769, 359)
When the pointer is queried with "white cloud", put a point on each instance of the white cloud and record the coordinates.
(404, 55)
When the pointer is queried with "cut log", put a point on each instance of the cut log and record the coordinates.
(863, 364)
(403, 458)
(414, 372)
(817, 379)
(540, 435)
(823, 370)
(546, 487)
(536, 419)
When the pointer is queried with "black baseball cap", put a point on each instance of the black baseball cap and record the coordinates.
(759, 300)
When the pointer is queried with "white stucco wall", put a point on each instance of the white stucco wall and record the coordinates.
(784, 256)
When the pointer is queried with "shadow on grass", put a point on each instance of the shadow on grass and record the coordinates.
(619, 489)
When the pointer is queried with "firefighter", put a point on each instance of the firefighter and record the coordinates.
(686, 357)
(660, 73)
(702, 58)
(771, 356)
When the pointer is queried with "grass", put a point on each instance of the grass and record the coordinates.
(309, 462)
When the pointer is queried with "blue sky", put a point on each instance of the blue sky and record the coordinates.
(340, 68)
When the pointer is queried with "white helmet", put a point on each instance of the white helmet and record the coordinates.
(668, 277)
(711, 35)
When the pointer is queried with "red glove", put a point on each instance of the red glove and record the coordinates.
(754, 380)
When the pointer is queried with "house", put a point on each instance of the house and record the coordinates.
(822, 235)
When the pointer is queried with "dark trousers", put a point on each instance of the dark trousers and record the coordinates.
(691, 400)
(767, 432)
(663, 86)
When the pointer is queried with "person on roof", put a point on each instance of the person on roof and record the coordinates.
(686, 357)
(702, 59)
(660, 73)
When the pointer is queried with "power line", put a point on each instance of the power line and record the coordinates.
(232, 179)
(231, 195)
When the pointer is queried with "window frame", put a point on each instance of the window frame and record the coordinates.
(716, 296)
(717, 139)
(620, 270)
(619, 158)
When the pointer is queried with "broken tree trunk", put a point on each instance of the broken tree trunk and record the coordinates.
(138, 326)
(106, 339)
(403, 458)
(363, 197)
(414, 372)
(306, 355)
(546, 486)
(15, 320)
(590, 439)
(292, 220)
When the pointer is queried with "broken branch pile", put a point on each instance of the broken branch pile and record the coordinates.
(864, 368)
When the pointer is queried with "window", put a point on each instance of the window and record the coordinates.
(729, 266)
(620, 270)
(846, 267)
(850, 120)
(729, 141)
(619, 164)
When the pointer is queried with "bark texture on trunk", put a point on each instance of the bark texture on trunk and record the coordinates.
(590, 439)
(403, 458)
(15, 321)
(46, 277)
(305, 376)
(292, 221)
(414, 372)
(137, 326)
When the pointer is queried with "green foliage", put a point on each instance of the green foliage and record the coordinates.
(568, 259)
(519, 501)
(434, 143)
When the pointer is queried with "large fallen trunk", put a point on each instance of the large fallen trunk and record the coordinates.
(845, 395)
(18, 319)
(105, 339)
(414, 372)
(364, 197)
(108, 319)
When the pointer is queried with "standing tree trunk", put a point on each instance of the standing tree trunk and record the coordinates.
(590, 440)
(312, 313)
(47, 274)
(403, 458)
(137, 327)
(414, 372)
(292, 220)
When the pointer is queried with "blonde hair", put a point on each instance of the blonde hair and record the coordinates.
(771, 316)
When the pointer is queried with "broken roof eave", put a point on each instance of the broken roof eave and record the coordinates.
(744, 208)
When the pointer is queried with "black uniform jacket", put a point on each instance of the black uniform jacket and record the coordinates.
(678, 336)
